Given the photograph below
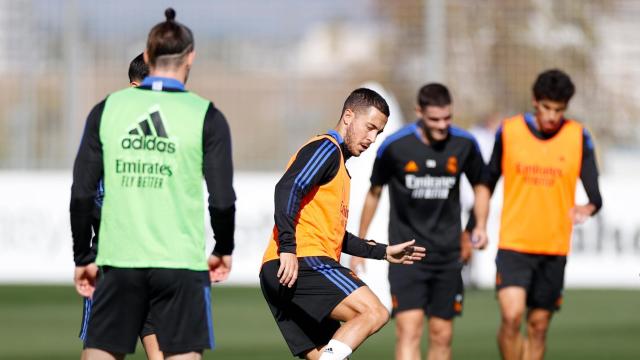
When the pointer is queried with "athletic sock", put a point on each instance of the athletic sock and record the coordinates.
(335, 350)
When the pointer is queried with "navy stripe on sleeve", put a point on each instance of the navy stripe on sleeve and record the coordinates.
(316, 164)
(307, 173)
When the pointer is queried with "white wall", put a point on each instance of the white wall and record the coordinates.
(35, 235)
(36, 246)
(35, 238)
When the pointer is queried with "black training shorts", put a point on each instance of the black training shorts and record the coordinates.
(542, 276)
(302, 312)
(177, 300)
(438, 291)
(147, 329)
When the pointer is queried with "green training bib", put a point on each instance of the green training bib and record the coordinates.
(153, 210)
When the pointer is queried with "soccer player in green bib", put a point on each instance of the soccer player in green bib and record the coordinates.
(153, 145)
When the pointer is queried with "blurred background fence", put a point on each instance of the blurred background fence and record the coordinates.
(280, 70)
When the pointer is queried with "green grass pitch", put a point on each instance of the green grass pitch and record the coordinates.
(42, 322)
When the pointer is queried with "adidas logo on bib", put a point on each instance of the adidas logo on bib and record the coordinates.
(149, 134)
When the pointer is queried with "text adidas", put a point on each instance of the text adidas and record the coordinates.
(149, 143)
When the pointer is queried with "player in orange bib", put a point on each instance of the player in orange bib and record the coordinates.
(541, 157)
(308, 291)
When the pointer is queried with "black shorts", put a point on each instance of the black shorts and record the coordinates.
(302, 312)
(147, 328)
(177, 300)
(437, 291)
(542, 276)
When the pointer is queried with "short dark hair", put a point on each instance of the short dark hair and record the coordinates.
(433, 94)
(169, 41)
(363, 98)
(554, 85)
(138, 70)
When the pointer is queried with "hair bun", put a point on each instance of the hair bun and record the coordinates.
(170, 14)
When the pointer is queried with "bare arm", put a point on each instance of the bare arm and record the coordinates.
(477, 173)
(481, 212)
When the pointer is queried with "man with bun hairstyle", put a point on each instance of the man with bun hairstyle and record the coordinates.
(153, 145)
(138, 70)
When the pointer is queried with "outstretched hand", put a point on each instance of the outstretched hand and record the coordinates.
(405, 253)
(219, 267)
(84, 278)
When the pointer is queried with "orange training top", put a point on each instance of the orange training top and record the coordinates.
(320, 224)
(539, 187)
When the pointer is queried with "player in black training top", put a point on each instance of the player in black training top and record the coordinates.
(422, 164)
